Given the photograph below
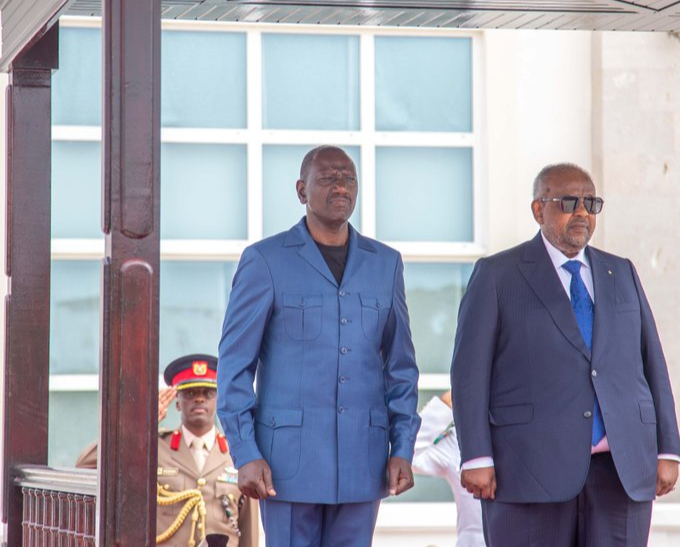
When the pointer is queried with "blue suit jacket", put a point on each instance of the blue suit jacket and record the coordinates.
(335, 365)
(524, 381)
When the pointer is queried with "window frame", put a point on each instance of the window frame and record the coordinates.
(255, 138)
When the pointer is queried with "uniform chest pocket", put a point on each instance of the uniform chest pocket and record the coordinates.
(374, 311)
(302, 315)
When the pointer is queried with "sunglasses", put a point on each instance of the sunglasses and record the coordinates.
(569, 204)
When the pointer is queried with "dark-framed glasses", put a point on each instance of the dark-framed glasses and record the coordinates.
(569, 204)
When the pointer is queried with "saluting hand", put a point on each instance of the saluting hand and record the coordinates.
(165, 397)
(666, 477)
(255, 480)
(481, 482)
(399, 475)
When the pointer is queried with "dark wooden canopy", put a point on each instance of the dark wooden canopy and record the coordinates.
(131, 210)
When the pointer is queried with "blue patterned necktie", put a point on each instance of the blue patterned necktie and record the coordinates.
(583, 309)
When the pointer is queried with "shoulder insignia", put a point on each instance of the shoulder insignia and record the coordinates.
(163, 432)
(176, 438)
(222, 442)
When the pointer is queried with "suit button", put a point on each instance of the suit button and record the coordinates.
(342, 379)
(344, 351)
(594, 374)
(341, 409)
(587, 414)
(201, 482)
(343, 321)
(342, 293)
(273, 422)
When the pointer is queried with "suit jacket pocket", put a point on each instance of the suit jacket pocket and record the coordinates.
(511, 414)
(647, 412)
(374, 311)
(302, 315)
(278, 433)
(623, 307)
(378, 444)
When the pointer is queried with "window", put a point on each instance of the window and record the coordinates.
(240, 106)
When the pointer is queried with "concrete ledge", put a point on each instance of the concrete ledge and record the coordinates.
(434, 525)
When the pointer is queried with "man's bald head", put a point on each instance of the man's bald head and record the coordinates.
(312, 155)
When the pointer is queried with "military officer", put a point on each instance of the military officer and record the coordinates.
(196, 457)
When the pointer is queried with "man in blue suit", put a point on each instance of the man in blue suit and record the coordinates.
(564, 410)
(318, 314)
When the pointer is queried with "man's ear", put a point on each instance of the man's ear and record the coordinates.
(537, 210)
(177, 404)
(300, 189)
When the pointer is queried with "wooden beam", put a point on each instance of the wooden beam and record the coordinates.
(27, 264)
(131, 216)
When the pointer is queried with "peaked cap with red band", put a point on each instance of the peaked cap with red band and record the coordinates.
(196, 370)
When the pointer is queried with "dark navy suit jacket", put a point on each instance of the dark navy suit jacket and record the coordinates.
(336, 371)
(524, 381)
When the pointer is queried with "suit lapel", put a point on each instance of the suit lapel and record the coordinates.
(357, 254)
(183, 458)
(540, 273)
(215, 459)
(604, 287)
(298, 236)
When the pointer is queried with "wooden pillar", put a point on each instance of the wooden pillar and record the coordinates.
(27, 264)
(131, 214)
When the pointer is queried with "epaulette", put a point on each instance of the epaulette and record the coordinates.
(176, 438)
(222, 442)
(164, 432)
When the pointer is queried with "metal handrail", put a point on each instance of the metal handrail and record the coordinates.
(59, 479)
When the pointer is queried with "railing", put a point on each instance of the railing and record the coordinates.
(59, 506)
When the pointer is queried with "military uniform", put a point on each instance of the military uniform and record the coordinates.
(228, 512)
(218, 483)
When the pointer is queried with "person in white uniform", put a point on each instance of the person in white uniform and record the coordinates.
(437, 454)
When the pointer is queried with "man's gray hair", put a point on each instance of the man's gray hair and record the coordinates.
(549, 170)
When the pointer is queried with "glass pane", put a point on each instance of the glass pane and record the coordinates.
(77, 85)
(310, 82)
(423, 84)
(76, 189)
(203, 81)
(73, 424)
(433, 293)
(441, 181)
(74, 317)
(280, 171)
(194, 298)
(203, 191)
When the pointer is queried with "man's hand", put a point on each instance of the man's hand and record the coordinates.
(481, 483)
(666, 477)
(255, 480)
(399, 475)
(165, 397)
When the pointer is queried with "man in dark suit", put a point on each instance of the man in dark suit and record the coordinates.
(319, 314)
(564, 410)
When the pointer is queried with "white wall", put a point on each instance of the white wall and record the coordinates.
(538, 100)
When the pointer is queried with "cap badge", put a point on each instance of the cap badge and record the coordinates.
(200, 368)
